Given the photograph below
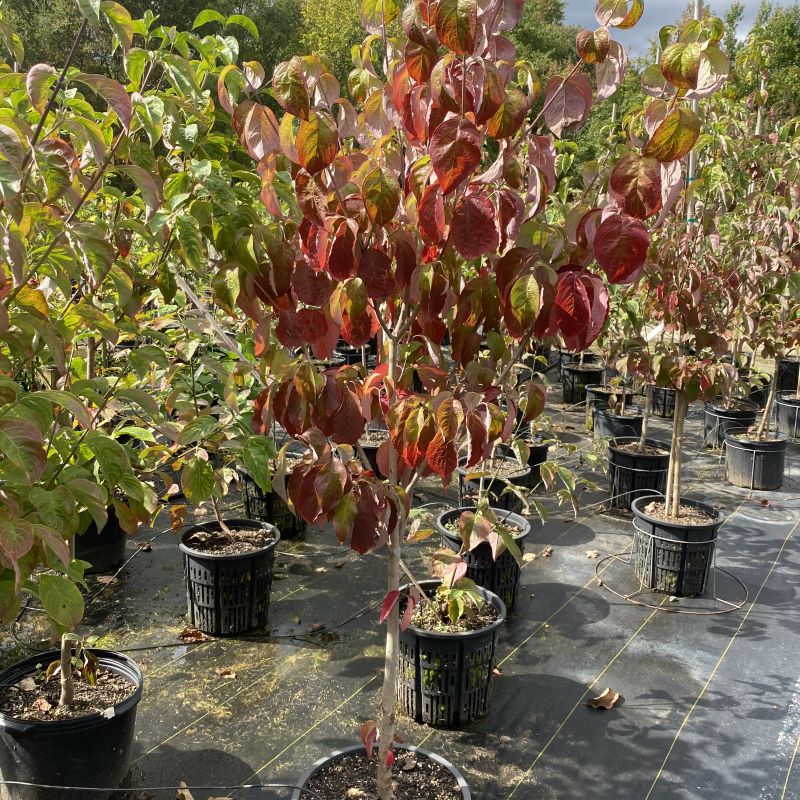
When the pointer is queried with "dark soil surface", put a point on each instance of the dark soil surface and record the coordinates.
(499, 468)
(432, 616)
(352, 776)
(584, 367)
(35, 697)
(633, 447)
(687, 515)
(237, 542)
(609, 390)
(732, 405)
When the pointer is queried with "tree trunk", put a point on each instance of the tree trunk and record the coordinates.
(392, 653)
(67, 682)
(763, 425)
(648, 410)
(673, 492)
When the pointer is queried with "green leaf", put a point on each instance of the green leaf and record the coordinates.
(675, 136)
(92, 497)
(243, 22)
(259, 451)
(198, 430)
(225, 288)
(69, 402)
(204, 17)
(110, 455)
(38, 81)
(525, 300)
(381, 193)
(120, 21)
(12, 41)
(149, 185)
(377, 15)
(21, 443)
(90, 9)
(197, 480)
(62, 600)
(191, 242)
(144, 400)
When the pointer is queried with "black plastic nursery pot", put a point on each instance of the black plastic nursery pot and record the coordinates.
(759, 392)
(493, 487)
(500, 575)
(538, 450)
(787, 413)
(103, 549)
(663, 402)
(88, 752)
(599, 395)
(371, 452)
(445, 679)
(229, 594)
(576, 377)
(671, 556)
(788, 372)
(419, 753)
(609, 424)
(632, 475)
(270, 507)
(722, 415)
(754, 464)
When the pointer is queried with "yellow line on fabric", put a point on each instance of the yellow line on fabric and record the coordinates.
(791, 765)
(718, 664)
(313, 727)
(582, 698)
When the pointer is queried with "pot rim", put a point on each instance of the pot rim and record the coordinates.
(110, 659)
(777, 440)
(576, 366)
(788, 401)
(614, 445)
(501, 513)
(487, 595)
(609, 413)
(744, 406)
(252, 524)
(306, 776)
(464, 470)
(677, 524)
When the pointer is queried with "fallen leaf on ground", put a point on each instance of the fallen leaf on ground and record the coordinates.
(183, 793)
(296, 620)
(106, 579)
(547, 552)
(27, 685)
(339, 564)
(497, 672)
(226, 672)
(592, 554)
(528, 557)
(191, 635)
(316, 627)
(321, 569)
(765, 503)
(145, 547)
(42, 705)
(608, 699)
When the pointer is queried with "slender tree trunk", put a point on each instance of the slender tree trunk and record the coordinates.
(67, 682)
(648, 410)
(673, 492)
(392, 654)
(763, 425)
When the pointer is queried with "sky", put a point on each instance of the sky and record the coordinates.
(656, 14)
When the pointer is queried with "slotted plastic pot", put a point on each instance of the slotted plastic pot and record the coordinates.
(91, 751)
(576, 377)
(608, 424)
(500, 575)
(632, 475)
(755, 464)
(103, 549)
(270, 507)
(788, 372)
(229, 594)
(493, 487)
(664, 402)
(721, 416)
(445, 679)
(671, 556)
(787, 413)
(319, 766)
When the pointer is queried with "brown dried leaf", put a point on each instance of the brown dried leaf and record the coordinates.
(177, 516)
(226, 672)
(183, 793)
(592, 554)
(409, 764)
(316, 627)
(27, 685)
(765, 503)
(528, 557)
(145, 547)
(191, 635)
(547, 552)
(42, 705)
(497, 672)
(608, 699)
(105, 579)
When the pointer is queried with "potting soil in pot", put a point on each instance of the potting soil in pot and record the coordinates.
(431, 616)
(498, 468)
(687, 515)
(237, 542)
(414, 777)
(36, 697)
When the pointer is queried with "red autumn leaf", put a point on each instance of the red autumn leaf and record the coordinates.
(636, 185)
(610, 73)
(342, 259)
(375, 269)
(508, 118)
(329, 486)
(289, 330)
(567, 102)
(350, 422)
(442, 457)
(369, 734)
(411, 604)
(420, 60)
(455, 150)
(364, 528)
(317, 141)
(474, 229)
(311, 286)
(389, 602)
(431, 215)
(456, 24)
(592, 46)
(675, 136)
(620, 246)
(572, 308)
(598, 301)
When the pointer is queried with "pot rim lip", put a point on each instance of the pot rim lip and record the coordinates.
(613, 445)
(684, 501)
(609, 413)
(254, 523)
(435, 757)
(487, 594)
(776, 438)
(576, 366)
(600, 387)
(779, 398)
(108, 658)
(464, 470)
(716, 405)
(518, 519)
